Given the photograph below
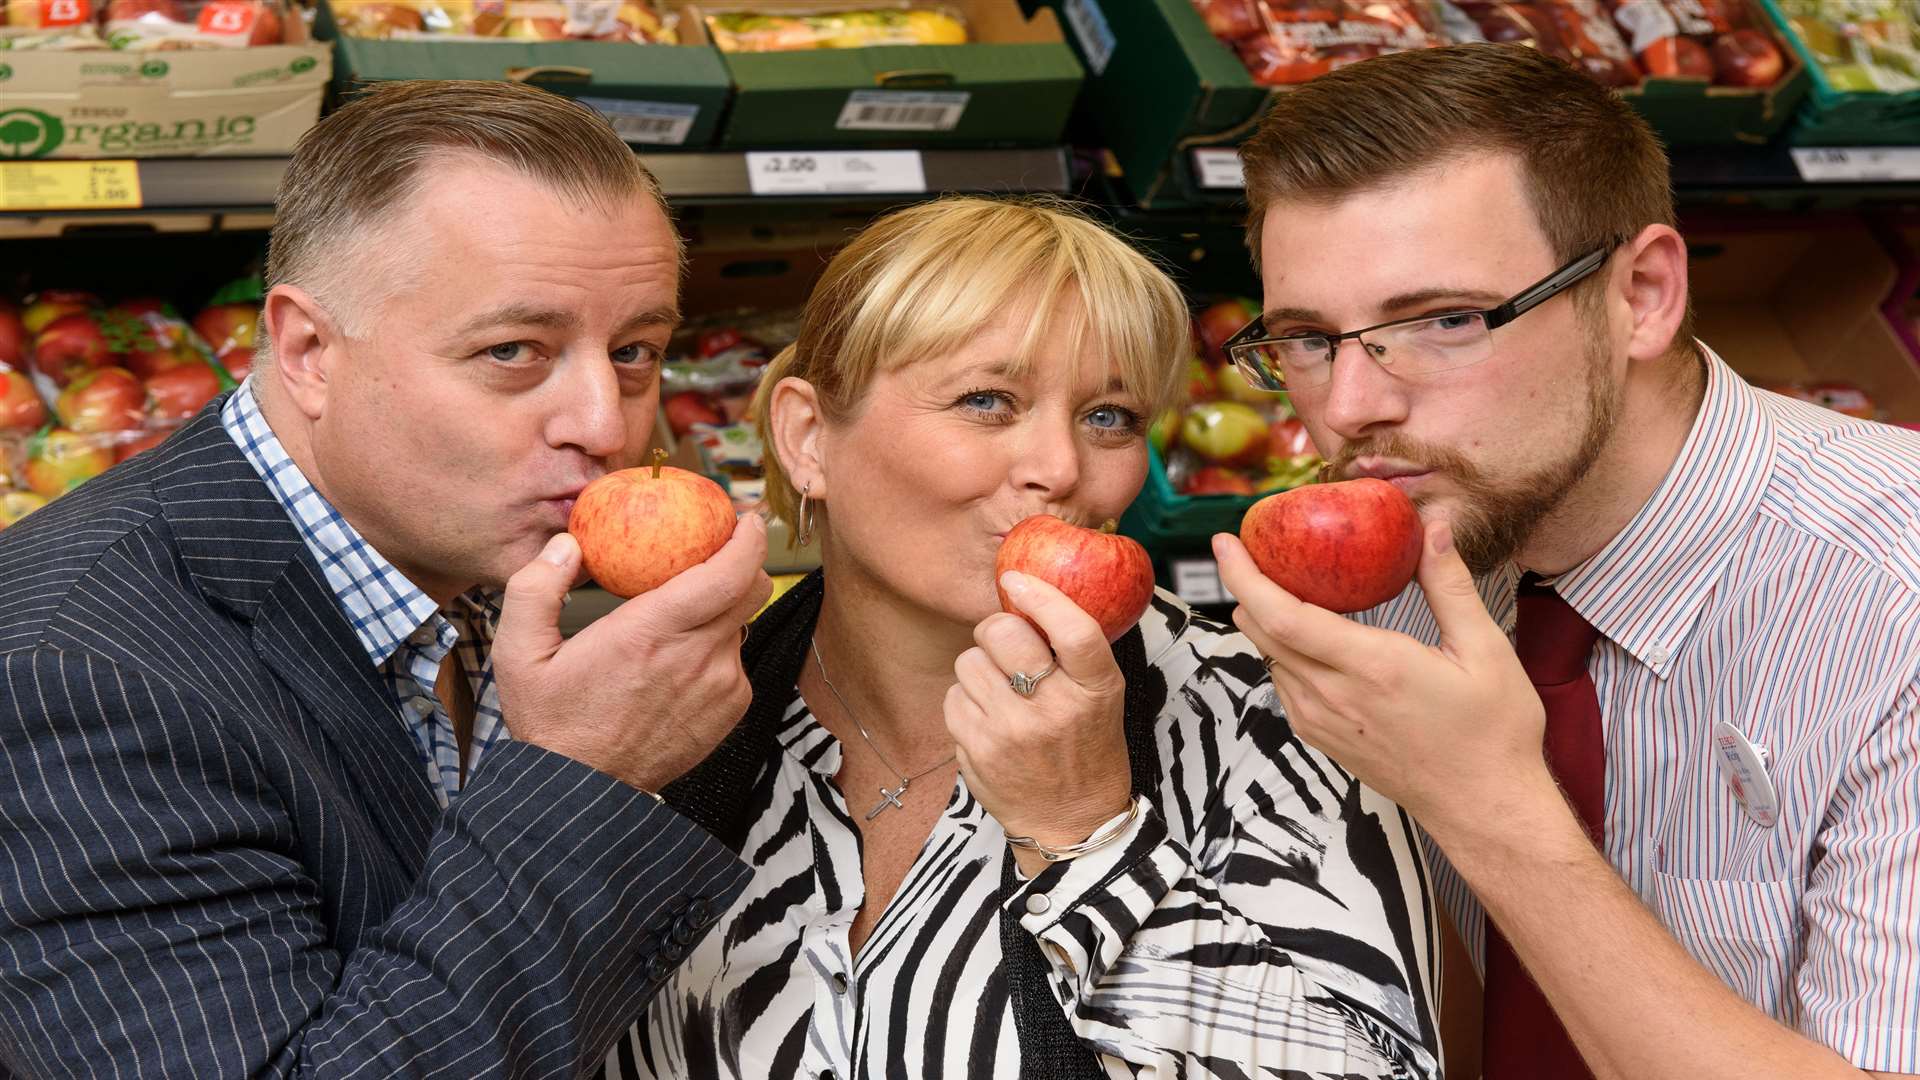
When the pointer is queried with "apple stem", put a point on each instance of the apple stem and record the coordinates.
(1110, 526)
(659, 459)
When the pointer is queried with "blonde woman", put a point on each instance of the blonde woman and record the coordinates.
(1224, 901)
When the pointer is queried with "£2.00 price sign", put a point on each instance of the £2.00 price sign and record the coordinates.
(836, 172)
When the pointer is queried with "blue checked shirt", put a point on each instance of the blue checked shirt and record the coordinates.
(406, 635)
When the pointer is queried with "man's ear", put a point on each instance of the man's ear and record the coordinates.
(1656, 291)
(306, 345)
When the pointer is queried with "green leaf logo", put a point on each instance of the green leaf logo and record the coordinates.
(302, 64)
(29, 133)
(154, 69)
(6, 72)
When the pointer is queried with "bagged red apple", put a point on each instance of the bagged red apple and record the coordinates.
(1106, 575)
(638, 528)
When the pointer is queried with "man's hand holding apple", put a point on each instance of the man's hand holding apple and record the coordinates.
(1451, 732)
(647, 691)
(1052, 766)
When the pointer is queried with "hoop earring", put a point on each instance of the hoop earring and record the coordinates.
(805, 535)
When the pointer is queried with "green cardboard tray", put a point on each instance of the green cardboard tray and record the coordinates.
(1835, 117)
(667, 96)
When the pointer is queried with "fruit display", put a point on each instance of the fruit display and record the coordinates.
(1346, 546)
(706, 388)
(1106, 575)
(1231, 438)
(506, 20)
(639, 527)
(1860, 45)
(1617, 42)
(1841, 397)
(144, 25)
(747, 31)
(85, 385)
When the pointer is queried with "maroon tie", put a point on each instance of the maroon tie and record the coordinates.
(1522, 1038)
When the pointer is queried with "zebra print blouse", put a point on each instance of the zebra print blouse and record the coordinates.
(1265, 916)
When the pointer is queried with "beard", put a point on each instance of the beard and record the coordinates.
(1497, 517)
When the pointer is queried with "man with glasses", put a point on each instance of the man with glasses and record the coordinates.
(1656, 702)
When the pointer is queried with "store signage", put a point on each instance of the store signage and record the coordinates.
(1857, 164)
(1197, 581)
(69, 185)
(1089, 25)
(837, 172)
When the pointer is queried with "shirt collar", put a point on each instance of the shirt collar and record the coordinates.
(383, 606)
(1645, 589)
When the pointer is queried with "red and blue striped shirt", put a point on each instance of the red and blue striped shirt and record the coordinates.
(1772, 582)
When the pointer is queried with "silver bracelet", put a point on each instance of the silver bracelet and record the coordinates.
(1085, 847)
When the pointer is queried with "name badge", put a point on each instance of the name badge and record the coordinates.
(1745, 767)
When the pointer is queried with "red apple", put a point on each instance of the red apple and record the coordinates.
(1230, 20)
(1223, 320)
(179, 392)
(688, 408)
(70, 345)
(714, 342)
(62, 460)
(1201, 385)
(13, 338)
(1106, 575)
(1345, 547)
(238, 362)
(1677, 58)
(1746, 58)
(15, 505)
(228, 326)
(50, 304)
(109, 399)
(1289, 439)
(639, 527)
(20, 408)
(147, 441)
(1225, 433)
(1218, 480)
(147, 363)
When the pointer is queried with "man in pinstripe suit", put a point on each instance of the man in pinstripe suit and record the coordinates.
(296, 773)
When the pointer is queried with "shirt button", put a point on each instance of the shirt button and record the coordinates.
(1657, 656)
(839, 983)
(1038, 904)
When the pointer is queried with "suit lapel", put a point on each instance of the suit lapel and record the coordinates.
(243, 554)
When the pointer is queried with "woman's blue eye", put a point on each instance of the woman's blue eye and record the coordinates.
(507, 351)
(1109, 417)
(983, 401)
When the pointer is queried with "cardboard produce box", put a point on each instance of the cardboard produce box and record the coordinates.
(1804, 306)
(654, 95)
(106, 103)
(1172, 100)
(1013, 83)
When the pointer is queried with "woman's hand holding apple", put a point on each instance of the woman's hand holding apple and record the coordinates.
(1052, 766)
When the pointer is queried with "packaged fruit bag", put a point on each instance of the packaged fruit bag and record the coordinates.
(149, 25)
(831, 28)
(1860, 45)
(511, 20)
(1230, 438)
(1292, 41)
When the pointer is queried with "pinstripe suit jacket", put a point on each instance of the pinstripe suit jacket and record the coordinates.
(218, 852)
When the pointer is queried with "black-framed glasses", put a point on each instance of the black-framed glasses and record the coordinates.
(1415, 346)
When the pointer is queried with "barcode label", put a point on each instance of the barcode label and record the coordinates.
(892, 110)
(1089, 25)
(656, 123)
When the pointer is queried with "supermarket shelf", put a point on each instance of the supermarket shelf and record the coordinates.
(242, 189)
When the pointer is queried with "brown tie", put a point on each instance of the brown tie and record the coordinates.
(1522, 1038)
(456, 696)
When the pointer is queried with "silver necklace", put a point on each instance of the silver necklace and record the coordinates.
(889, 797)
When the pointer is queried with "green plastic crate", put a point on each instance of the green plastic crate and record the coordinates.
(1163, 519)
(1831, 116)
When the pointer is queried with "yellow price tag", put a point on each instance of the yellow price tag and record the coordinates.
(69, 185)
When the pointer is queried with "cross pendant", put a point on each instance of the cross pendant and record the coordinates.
(889, 800)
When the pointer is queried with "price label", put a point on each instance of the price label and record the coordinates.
(902, 110)
(838, 172)
(1197, 581)
(656, 123)
(1855, 164)
(69, 185)
(1217, 167)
